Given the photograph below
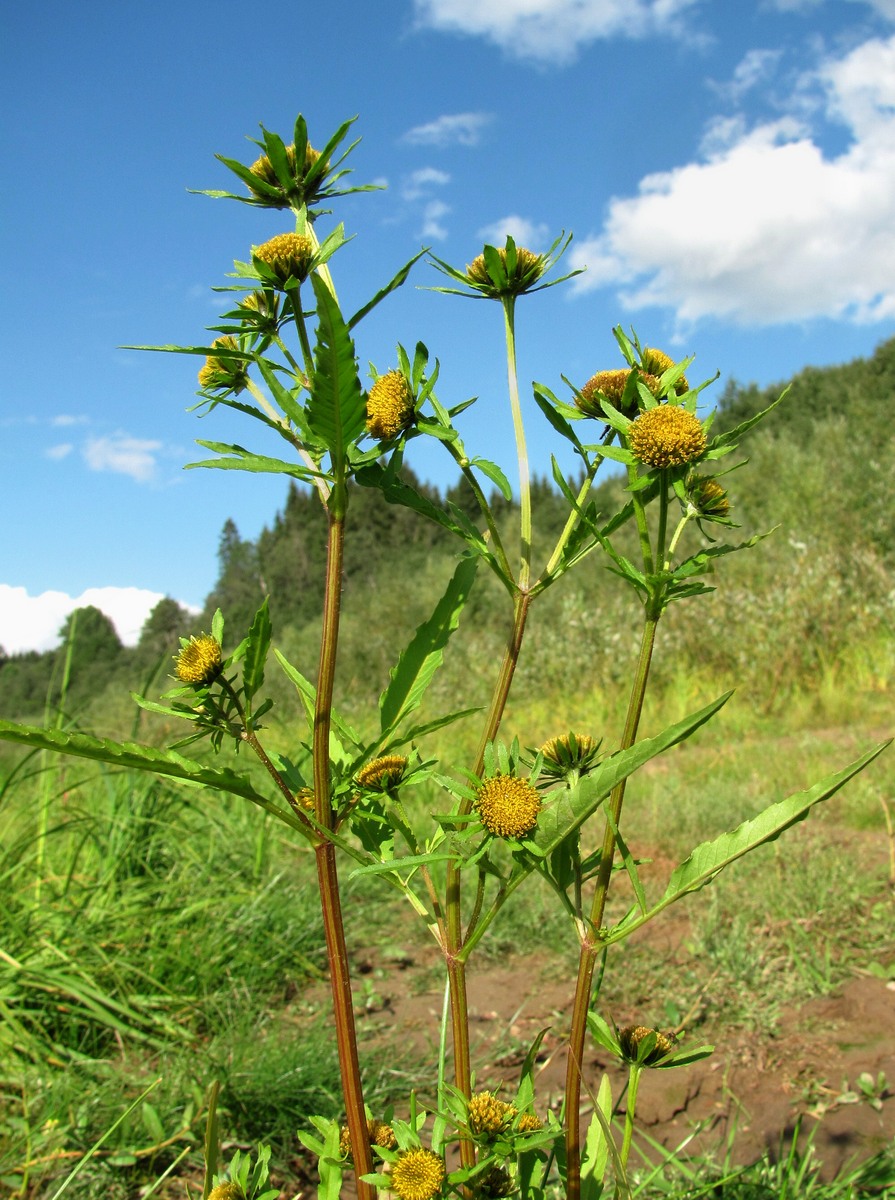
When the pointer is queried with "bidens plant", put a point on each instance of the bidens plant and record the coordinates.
(283, 356)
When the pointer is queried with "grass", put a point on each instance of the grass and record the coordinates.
(153, 933)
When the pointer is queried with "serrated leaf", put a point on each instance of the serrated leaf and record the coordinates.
(257, 647)
(708, 859)
(495, 474)
(336, 411)
(130, 756)
(423, 656)
(244, 460)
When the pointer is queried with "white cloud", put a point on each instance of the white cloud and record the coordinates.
(532, 234)
(464, 129)
(59, 452)
(756, 66)
(768, 229)
(551, 30)
(33, 622)
(432, 214)
(65, 419)
(420, 183)
(123, 454)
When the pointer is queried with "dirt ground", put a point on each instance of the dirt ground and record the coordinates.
(750, 1092)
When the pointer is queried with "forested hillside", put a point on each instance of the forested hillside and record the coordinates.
(820, 588)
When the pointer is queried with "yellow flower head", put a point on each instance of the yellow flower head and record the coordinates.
(262, 310)
(287, 256)
(305, 797)
(227, 1191)
(528, 270)
(666, 436)
(610, 386)
(488, 1115)
(382, 773)
(707, 495)
(263, 169)
(529, 1123)
(200, 660)
(417, 1175)
(389, 406)
(379, 1133)
(223, 373)
(560, 750)
(657, 362)
(630, 1038)
(508, 806)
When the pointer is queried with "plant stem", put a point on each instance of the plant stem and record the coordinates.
(633, 1084)
(591, 940)
(509, 310)
(327, 874)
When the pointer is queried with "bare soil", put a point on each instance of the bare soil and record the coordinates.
(752, 1093)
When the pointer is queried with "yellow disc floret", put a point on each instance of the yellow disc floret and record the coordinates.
(200, 660)
(226, 1191)
(382, 773)
(488, 1115)
(220, 372)
(529, 1123)
(657, 362)
(389, 406)
(666, 436)
(417, 1175)
(287, 256)
(379, 1133)
(508, 806)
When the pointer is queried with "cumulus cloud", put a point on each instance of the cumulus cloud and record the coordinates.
(122, 454)
(62, 450)
(768, 229)
(551, 30)
(532, 234)
(462, 129)
(33, 622)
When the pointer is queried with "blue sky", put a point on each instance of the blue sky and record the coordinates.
(727, 168)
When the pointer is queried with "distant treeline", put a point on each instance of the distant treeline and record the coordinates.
(822, 468)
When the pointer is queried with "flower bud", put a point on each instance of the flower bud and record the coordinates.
(223, 373)
(630, 1039)
(382, 774)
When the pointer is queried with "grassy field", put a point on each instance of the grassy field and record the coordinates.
(154, 934)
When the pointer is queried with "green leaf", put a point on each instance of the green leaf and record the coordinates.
(336, 411)
(710, 858)
(495, 474)
(244, 460)
(282, 395)
(308, 694)
(130, 756)
(596, 1146)
(391, 286)
(573, 806)
(257, 647)
(422, 658)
